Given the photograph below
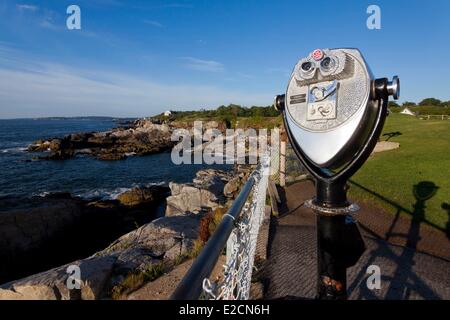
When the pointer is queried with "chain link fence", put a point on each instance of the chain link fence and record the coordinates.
(241, 246)
(275, 159)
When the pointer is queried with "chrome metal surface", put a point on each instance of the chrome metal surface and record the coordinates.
(393, 87)
(352, 208)
(327, 107)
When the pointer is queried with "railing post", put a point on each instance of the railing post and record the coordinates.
(283, 159)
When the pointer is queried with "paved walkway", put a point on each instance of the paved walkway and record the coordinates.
(290, 271)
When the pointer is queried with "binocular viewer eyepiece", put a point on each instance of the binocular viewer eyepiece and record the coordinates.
(334, 111)
(332, 105)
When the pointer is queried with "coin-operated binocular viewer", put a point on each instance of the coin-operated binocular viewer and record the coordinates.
(334, 110)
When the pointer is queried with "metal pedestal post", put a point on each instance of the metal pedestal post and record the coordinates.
(339, 242)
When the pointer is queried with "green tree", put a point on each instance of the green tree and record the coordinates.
(393, 104)
(430, 102)
(445, 104)
(408, 104)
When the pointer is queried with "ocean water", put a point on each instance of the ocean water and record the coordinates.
(83, 175)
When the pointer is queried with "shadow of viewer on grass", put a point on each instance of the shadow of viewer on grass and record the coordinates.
(403, 281)
(393, 134)
(404, 274)
(422, 191)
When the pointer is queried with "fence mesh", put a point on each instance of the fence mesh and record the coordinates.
(275, 156)
(294, 168)
(241, 246)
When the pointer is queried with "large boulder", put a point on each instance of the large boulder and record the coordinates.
(54, 145)
(163, 238)
(26, 224)
(139, 196)
(189, 199)
(38, 146)
(231, 189)
(39, 233)
(52, 285)
(203, 194)
(212, 180)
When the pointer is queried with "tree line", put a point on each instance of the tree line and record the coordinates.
(232, 112)
(427, 102)
(227, 114)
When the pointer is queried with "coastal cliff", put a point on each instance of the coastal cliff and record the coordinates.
(143, 253)
(133, 237)
(41, 232)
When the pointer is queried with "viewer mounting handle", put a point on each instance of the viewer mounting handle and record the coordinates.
(393, 87)
(383, 88)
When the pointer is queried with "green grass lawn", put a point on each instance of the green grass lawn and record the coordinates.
(414, 178)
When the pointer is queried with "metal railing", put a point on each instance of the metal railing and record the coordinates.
(242, 222)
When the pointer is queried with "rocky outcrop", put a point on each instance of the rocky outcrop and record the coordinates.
(141, 196)
(143, 138)
(203, 194)
(161, 240)
(232, 187)
(40, 232)
(188, 198)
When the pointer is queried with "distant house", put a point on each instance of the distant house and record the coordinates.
(168, 113)
(407, 111)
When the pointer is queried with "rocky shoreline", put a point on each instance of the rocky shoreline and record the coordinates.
(39, 229)
(112, 241)
(143, 137)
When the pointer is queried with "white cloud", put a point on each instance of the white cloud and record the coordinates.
(177, 5)
(283, 71)
(28, 7)
(202, 65)
(153, 23)
(32, 89)
(48, 23)
(245, 75)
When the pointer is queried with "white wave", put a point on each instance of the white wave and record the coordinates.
(130, 154)
(112, 194)
(13, 150)
(42, 194)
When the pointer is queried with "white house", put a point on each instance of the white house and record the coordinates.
(168, 113)
(407, 111)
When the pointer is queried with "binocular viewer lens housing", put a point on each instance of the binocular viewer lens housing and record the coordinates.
(334, 111)
(331, 103)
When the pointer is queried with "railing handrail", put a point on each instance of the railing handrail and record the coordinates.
(190, 286)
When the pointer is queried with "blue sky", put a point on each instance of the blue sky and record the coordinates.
(138, 58)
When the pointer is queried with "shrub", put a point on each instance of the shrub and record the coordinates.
(196, 249)
(154, 271)
(131, 282)
(209, 223)
(204, 232)
(217, 218)
(136, 279)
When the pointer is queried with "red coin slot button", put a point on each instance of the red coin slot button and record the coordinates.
(317, 54)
